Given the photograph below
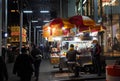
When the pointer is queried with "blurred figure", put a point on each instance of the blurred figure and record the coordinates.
(23, 66)
(37, 56)
(71, 58)
(95, 53)
(46, 52)
(3, 70)
(4, 52)
(10, 56)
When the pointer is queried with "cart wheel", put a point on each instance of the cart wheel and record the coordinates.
(86, 69)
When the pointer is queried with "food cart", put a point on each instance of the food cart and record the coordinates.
(67, 30)
(58, 56)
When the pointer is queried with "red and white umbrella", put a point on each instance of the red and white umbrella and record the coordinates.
(79, 20)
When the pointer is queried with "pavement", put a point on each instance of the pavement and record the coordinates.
(48, 73)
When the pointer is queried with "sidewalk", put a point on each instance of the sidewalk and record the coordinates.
(65, 76)
(48, 73)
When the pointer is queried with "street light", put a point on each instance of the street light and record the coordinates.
(44, 11)
(46, 21)
(27, 11)
(34, 21)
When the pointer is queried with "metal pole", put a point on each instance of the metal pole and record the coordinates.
(34, 35)
(81, 12)
(61, 8)
(37, 37)
(111, 29)
(29, 33)
(102, 36)
(96, 10)
(21, 25)
(6, 23)
(119, 17)
(0, 27)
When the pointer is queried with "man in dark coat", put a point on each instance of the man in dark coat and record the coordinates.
(95, 53)
(23, 66)
(37, 56)
(3, 70)
(3, 52)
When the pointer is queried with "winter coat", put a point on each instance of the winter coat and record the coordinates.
(3, 70)
(96, 50)
(71, 55)
(36, 54)
(23, 65)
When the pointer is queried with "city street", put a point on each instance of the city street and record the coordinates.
(48, 73)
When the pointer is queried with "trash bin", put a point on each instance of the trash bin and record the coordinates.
(113, 73)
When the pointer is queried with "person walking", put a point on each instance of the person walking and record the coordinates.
(37, 56)
(3, 70)
(4, 52)
(23, 66)
(95, 53)
(71, 58)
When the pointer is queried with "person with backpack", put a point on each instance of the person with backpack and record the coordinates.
(72, 60)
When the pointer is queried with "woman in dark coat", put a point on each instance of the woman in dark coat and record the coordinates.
(3, 70)
(23, 66)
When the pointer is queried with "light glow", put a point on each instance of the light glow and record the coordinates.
(76, 39)
(27, 11)
(46, 21)
(44, 11)
(95, 38)
(34, 21)
(57, 38)
(63, 28)
(38, 26)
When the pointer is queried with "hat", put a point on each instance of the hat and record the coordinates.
(95, 41)
(71, 45)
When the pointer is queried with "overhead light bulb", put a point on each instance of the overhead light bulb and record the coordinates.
(46, 21)
(27, 11)
(45, 11)
(34, 21)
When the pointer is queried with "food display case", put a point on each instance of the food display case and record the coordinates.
(55, 59)
(58, 54)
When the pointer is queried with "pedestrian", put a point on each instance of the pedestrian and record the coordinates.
(95, 53)
(37, 56)
(46, 52)
(23, 66)
(3, 70)
(71, 58)
(9, 54)
(4, 52)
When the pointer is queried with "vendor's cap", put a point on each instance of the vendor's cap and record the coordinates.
(71, 45)
(95, 41)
